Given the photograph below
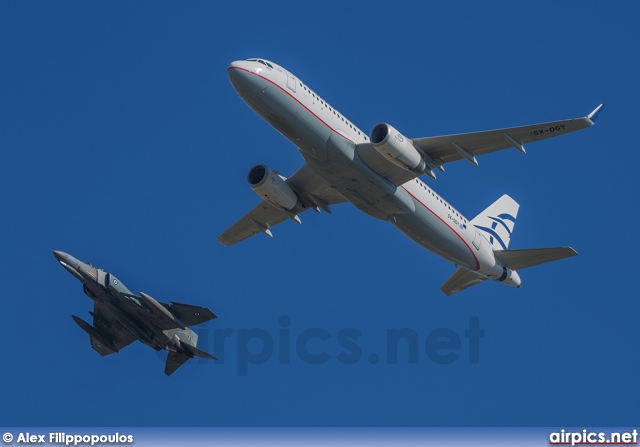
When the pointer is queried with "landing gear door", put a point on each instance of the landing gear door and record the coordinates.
(291, 81)
(477, 240)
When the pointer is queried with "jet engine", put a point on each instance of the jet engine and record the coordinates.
(271, 187)
(396, 148)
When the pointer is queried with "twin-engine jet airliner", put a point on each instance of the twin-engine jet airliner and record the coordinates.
(379, 174)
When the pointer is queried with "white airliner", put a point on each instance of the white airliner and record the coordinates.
(379, 175)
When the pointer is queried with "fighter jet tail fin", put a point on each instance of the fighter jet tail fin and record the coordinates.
(176, 359)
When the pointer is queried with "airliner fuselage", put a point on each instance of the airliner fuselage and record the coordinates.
(327, 141)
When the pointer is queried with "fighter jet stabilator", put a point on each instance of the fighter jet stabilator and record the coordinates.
(120, 317)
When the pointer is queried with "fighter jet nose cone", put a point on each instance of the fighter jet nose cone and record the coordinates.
(60, 255)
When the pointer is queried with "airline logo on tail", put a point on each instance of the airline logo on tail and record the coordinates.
(497, 222)
(497, 226)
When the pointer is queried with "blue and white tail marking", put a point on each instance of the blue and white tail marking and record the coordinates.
(497, 221)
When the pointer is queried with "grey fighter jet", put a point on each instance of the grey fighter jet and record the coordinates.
(120, 317)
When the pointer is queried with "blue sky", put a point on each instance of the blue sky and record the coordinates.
(124, 144)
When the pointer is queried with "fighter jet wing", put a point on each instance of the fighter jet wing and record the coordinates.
(313, 192)
(448, 148)
(152, 311)
(113, 336)
(190, 315)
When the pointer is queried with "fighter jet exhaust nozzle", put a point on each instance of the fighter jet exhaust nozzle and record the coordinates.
(173, 345)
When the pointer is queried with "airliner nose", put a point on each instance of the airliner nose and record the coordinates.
(241, 76)
(234, 64)
(240, 65)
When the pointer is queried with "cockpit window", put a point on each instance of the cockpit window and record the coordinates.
(260, 61)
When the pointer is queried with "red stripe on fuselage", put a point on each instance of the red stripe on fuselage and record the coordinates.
(448, 226)
(335, 131)
(293, 97)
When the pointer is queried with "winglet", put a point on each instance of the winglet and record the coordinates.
(593, 116)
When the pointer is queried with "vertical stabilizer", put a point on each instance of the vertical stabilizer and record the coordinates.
(176, 359)
(497, 221)
(183, 343)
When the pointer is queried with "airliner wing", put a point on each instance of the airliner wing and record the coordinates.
(448, 148)
(313, 192)
(372, 158)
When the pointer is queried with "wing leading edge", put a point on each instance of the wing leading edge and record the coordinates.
(444, 149)
(450, 148)
(107, 335)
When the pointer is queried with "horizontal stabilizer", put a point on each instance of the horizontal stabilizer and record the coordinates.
(195, 352)
(460, 280)
(520, 259)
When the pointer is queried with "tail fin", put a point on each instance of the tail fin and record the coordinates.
(497, 222)
(176, 359)
(184, 349)
(520, 259)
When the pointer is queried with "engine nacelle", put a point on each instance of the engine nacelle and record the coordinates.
(396, 148)
(273, 188)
